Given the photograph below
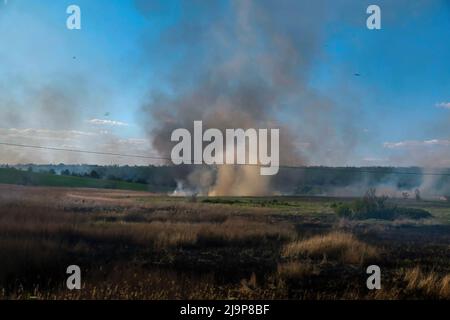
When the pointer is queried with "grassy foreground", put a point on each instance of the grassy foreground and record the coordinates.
(135, 245)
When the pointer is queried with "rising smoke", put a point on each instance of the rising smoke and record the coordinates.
(244, 66)
(249, 64)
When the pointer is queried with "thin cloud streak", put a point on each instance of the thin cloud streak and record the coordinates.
(105, 122)
(416, 143)
(445, 105)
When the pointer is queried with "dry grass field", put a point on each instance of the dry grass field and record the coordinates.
(138, 245)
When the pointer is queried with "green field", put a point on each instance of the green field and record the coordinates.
(13, 176)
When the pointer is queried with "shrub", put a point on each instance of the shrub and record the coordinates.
(373, 207)
(342, 210)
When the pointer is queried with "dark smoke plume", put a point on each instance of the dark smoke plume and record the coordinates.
(248, 64)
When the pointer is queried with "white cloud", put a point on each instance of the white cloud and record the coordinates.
(135, 141)
(105, 122)
(416, 143)
(36, 134)
(445, 105)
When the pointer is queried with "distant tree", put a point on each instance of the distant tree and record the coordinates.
(52, 171)
(30, 169)
(405, 195)
(193, 197)
(65, 172)
(94, 174)
(417, 193)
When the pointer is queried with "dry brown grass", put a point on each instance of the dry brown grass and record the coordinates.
(130, 283)
(140, 284)
(162, 235)
(431, 283)
(40, 235)
(135, 247)
(295, 270)
(343, 247)
(27, 214)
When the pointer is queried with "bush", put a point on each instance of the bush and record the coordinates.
(374, 207)
(342, 210)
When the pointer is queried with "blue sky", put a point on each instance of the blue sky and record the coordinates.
(405, 73)
(399, 106)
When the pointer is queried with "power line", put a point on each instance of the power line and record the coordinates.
(84, 151)
(297, 167)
